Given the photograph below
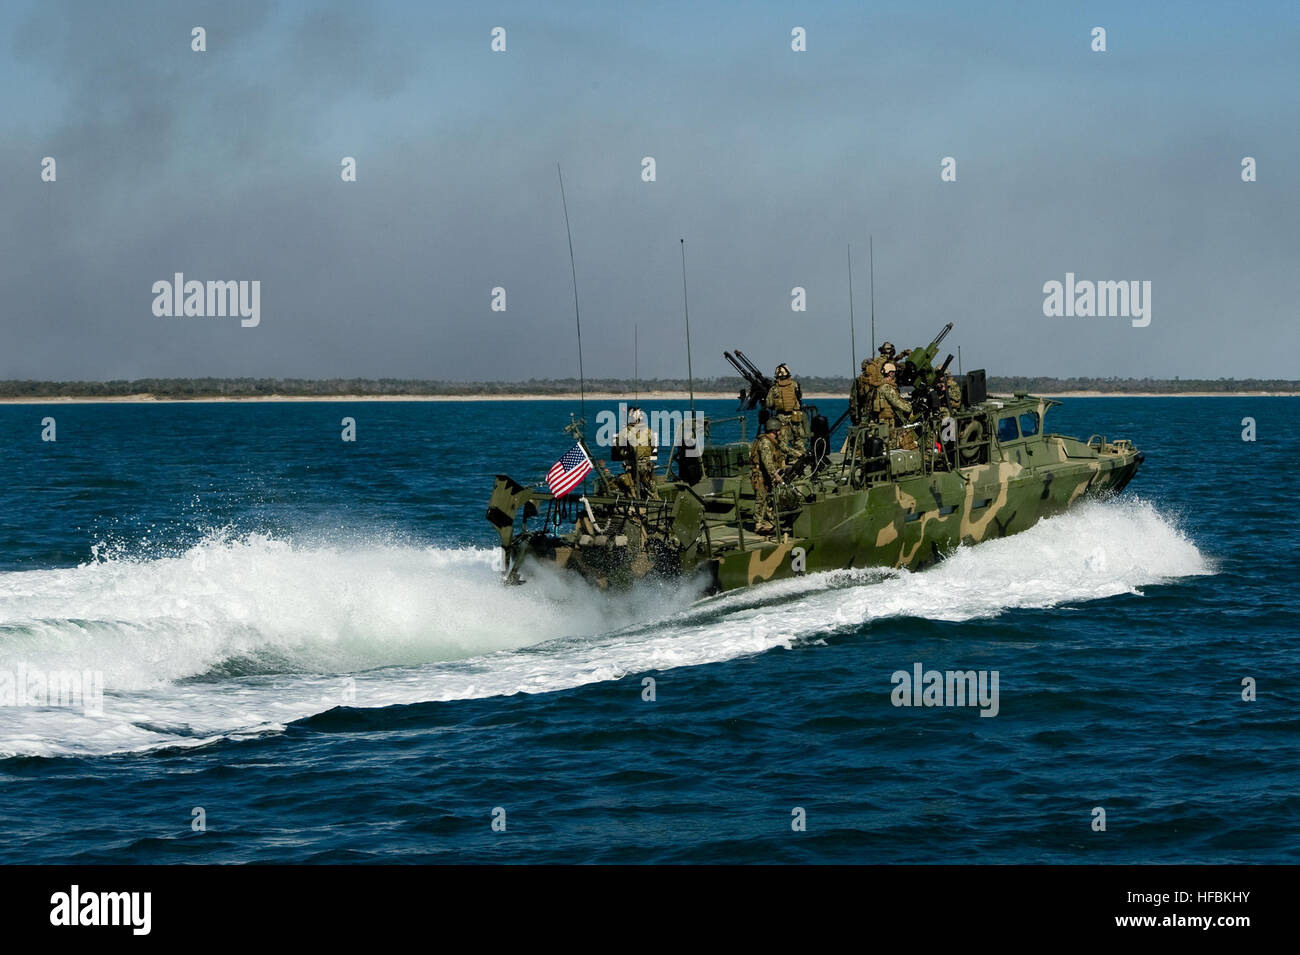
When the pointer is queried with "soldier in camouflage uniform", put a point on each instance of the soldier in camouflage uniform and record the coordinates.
(636, 446)
(873, 377)
(767, 459)
(860, 394)
(886, 350)
(952, 393)
(785, 401)
(891, 408)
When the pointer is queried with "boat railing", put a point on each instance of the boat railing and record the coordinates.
(710, 425)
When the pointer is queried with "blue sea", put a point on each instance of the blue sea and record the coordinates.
(306, 656)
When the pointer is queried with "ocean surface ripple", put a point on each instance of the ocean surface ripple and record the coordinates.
(308, 640)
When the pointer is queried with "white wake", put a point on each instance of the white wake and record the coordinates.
(245, 635)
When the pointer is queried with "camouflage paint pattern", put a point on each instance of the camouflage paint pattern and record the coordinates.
(905, 514)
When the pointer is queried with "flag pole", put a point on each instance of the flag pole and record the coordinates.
(577, 318)
(577, 315)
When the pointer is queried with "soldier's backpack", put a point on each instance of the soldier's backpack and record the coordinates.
(786, 399)
(756, 460)
(871, 379)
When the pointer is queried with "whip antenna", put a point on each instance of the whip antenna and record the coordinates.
(690, 377)
(872, 248)
(577, 316)
(853, 341)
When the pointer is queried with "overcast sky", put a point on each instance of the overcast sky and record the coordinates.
(225, 165)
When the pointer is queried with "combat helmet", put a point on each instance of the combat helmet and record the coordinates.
(887, 349)
(783, 370)
(772, 425)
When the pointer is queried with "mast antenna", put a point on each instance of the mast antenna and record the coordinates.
(690, 376)
(872, 250)
(577, 315)
(853, 340)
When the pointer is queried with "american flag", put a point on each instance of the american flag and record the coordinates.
(568, 472)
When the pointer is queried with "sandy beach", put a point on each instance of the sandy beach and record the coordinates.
(601, 396)
(590, 396)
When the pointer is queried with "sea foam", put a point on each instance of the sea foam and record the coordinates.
(242, 635)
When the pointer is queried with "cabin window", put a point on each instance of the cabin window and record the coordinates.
(1029, 423)
(1007, 429)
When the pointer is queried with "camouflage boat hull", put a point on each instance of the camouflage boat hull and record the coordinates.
(863, 507)
(916, 522)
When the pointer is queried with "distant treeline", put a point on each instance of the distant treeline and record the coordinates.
(1164, 386)
(252, 387)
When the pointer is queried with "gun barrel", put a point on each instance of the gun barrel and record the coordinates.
(753, 369)
(918, 360)
(944, 367)
(744, 373)
(754, 393)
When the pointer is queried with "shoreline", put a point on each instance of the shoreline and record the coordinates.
(594, 396)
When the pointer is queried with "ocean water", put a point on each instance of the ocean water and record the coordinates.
(303, 643)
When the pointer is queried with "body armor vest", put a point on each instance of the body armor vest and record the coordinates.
(786, 401)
